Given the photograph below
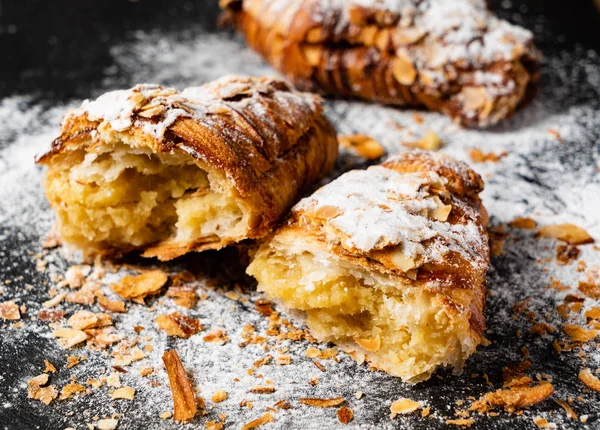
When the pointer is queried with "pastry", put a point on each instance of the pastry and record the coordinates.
(389, 263)
(454, 56)
(169, 172)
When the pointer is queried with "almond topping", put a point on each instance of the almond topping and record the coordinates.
(578, 333)
(523, 222)
(69, 337)
(404, 406)
(589, 379)
(542, 423)
(569, 233)
(322, 403)
(219, 396)
(402, 262)
(463, 422)
(473, 98)
(266, 418)
(136, 288)
(178, 325)
(184, 400)
(364, 145)
(404, 70)
(262, 390)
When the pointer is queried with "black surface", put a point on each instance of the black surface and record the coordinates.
(58, 50)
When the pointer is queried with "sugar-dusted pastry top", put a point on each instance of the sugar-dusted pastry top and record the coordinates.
(425, 204)
(243, 126)
(462, 30)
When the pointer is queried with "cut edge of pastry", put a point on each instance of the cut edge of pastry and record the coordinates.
(404, 329)
(110, 194)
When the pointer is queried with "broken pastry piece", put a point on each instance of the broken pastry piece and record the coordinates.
(388, 262)
(454, 57)
(169, 172)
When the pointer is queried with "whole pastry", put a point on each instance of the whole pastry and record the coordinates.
(168, 172)
(388, 262)
(452, 56)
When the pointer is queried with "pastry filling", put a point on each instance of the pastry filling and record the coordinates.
(405, 331)
(118, 196)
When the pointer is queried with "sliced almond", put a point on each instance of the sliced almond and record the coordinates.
(266, 418)
(136, 288)
(403, 262)
(569, 233)
(364, 145)
(473, 98)
(178, 325)
(322, 403)
(514, 398)
(127, 393)
(589, 379)
(578, 333)
(404, 70)
(404, 406)
(219, 396)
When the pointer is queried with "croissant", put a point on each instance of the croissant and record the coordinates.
(454, 57)
(169, 172)
(388, 262)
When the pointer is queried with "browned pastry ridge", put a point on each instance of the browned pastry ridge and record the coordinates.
(389, 263)
(454, 57)
(169, 172)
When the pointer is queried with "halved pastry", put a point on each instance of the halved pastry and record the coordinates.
(388, 262)
(454, 56)
(170, 172)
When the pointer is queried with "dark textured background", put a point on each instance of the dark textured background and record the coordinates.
(57, 51)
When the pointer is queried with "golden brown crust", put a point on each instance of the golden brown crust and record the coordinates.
(453, 267)
(400, 57)
(271, 142)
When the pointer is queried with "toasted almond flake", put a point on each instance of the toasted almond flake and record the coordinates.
(371, 345)
(325, 354)
(82, 320)
(513, 398)
(429, 142)
(463, 422)
(49, 367)
(345, 414)
(72, 361)
(404, 70)
(183, 296)
(145, 371)
(219, 396)
(54, 301)
(107, 424)
(138, 287)
(478, 156)
(266, 418)
(364, 145)
(263, 361)
(178, 325)
(50, 315)
(523, 222)
(593, 313)
(589, 379)
(124, 393)
(425, 412)
(578, 333)
(282, 404)
(404, 406)
(569, 233)
(322, 403)
(568, 409)
(70, 389)
(543, 423)
(358, 395)
(94, 383)
(261, 389)
(184, 400)
(69, 337)
(9, 311)
(116, 306)
(284, 360)
(584, 418)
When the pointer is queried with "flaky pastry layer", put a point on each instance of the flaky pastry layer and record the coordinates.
(455, 57)
(169, 172)
(389, 263)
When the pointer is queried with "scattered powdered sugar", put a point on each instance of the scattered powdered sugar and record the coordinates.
(549, 173)
(380, 207)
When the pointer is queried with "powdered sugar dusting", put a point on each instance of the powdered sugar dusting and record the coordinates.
(549, 179)
(381, 207)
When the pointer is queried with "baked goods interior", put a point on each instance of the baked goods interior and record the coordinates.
(406, 331)
(117, 196)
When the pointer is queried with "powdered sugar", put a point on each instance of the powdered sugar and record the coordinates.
(549, 179)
